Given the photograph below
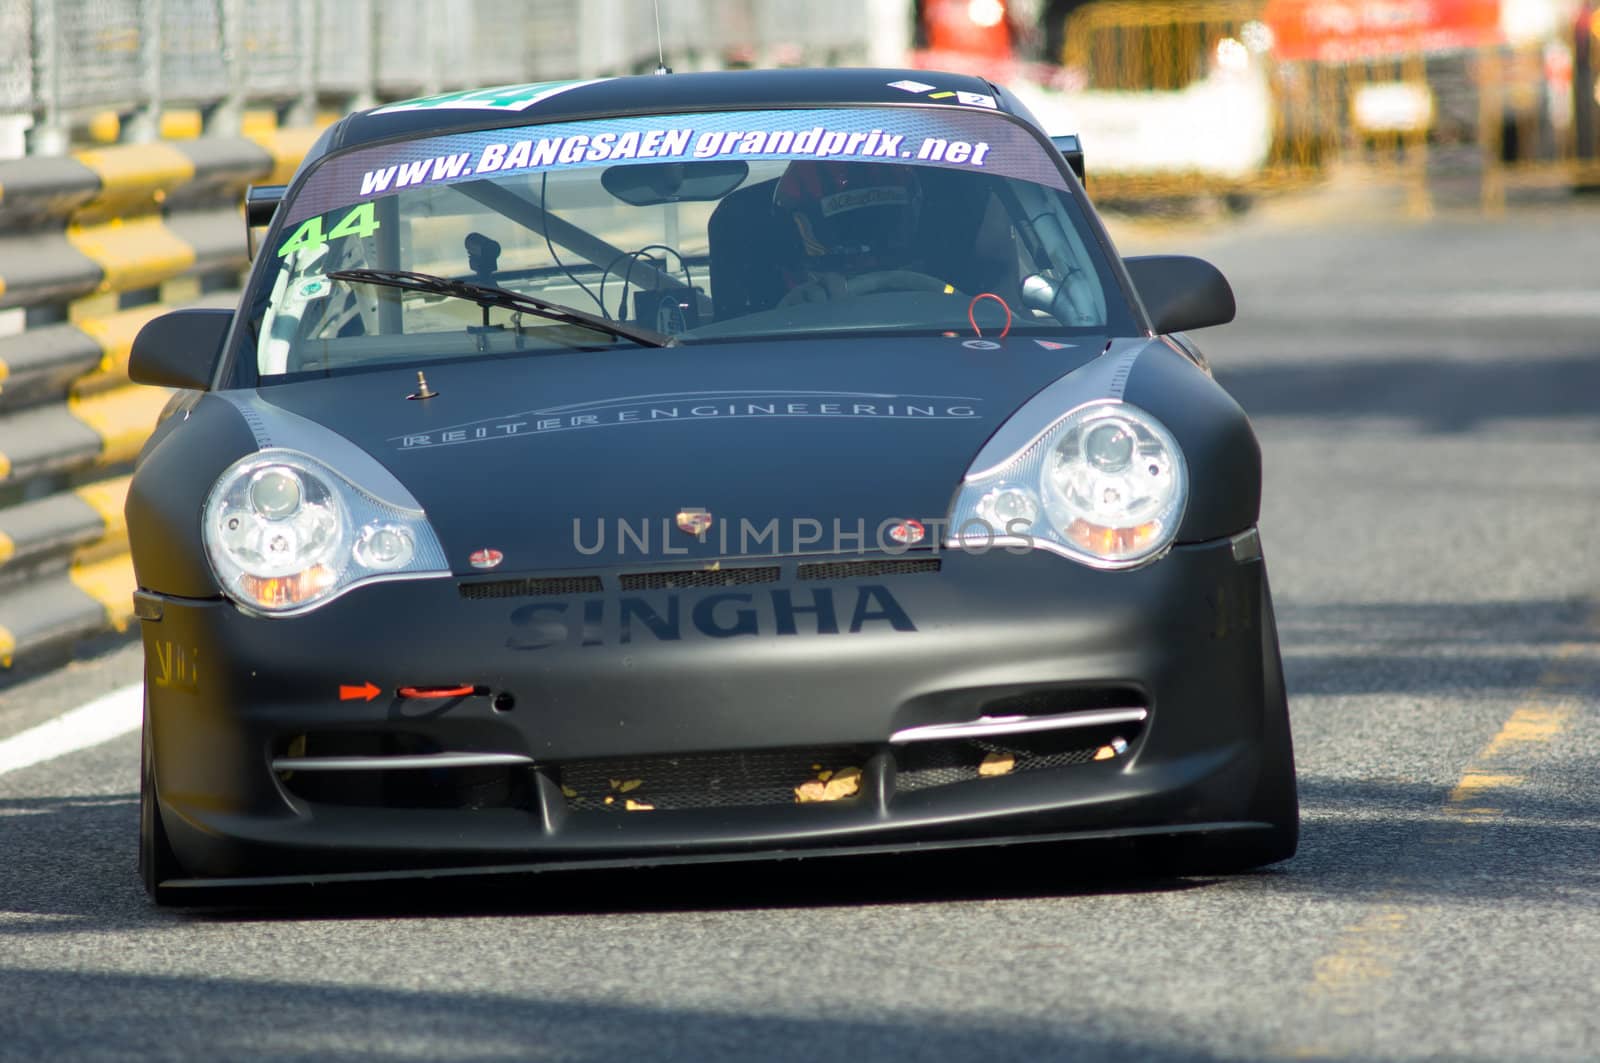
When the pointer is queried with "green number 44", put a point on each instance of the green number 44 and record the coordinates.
(360, 221)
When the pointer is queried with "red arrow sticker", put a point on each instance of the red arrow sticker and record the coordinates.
(1052, 345)
(364, 692)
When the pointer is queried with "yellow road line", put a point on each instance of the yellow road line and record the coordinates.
(1366, 953)
(1531, 723)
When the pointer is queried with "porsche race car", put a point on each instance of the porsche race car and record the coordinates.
(715, 466)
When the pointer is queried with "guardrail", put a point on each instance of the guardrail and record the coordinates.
(94, 244)
(62, 61)
(92, 247)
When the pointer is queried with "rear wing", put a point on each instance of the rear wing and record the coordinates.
(1072, 150)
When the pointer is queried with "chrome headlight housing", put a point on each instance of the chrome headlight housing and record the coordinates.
(285, 533)
(1105, 485)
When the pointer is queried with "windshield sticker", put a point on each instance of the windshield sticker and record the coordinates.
(499, 98)
(361, 221)
(911, 86)
(945, 137)
(695, 406)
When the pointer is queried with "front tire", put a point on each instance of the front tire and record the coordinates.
(157, 862)
(1276, 800)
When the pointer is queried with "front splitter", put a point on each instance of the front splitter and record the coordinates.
(437, 874)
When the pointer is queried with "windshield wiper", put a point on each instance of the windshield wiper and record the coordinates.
(486, 295)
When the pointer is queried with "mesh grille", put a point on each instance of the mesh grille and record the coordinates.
(819, 570)
(724, 577)
(925, 765)
(699, 780)
(482, 590)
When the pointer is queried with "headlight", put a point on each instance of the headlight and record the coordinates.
(285, 533)
(1105, 485)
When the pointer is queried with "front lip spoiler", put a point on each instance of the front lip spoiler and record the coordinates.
(683, 859)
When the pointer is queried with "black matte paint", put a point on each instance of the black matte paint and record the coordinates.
(521, 493)
(183, 458)
(789, 662)
(180, 348)
(1185, 631)
(1181, 292)
(1218, 444)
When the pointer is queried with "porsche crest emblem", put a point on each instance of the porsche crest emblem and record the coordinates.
(908, 532)
(694, 521)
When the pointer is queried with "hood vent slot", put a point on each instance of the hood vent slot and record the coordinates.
(821, 570)
(699, 577)
(485, 590)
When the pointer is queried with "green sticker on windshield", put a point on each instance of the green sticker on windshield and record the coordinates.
(496, 98)
(361, 220)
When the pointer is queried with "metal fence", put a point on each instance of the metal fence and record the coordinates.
(96, 241)
(1176, 96)
(63, 60)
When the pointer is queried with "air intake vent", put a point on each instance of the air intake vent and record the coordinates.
(747, 779)
(926, 765)
(722, 577)
(900, 566)
(482, 590)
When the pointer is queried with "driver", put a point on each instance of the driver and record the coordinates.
(857, 224)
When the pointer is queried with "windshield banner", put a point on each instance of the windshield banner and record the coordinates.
(925, 136)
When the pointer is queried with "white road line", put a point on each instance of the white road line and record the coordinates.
(101, 720)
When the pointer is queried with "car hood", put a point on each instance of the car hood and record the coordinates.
(585, 459)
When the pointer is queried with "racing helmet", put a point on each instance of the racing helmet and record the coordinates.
(851, 216)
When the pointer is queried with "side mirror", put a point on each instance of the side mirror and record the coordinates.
(1180, 292)
(260, 202)
(179, 349)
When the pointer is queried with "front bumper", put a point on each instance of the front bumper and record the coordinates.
(796, 670)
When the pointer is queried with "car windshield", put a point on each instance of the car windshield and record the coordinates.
(682, 229)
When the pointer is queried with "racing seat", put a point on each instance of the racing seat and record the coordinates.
(749, 243)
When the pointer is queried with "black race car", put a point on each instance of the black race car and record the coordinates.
(697, 467)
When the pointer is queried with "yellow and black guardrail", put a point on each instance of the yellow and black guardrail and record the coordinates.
(92, 246)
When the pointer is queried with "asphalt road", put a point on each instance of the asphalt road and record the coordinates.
(1428, 399)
